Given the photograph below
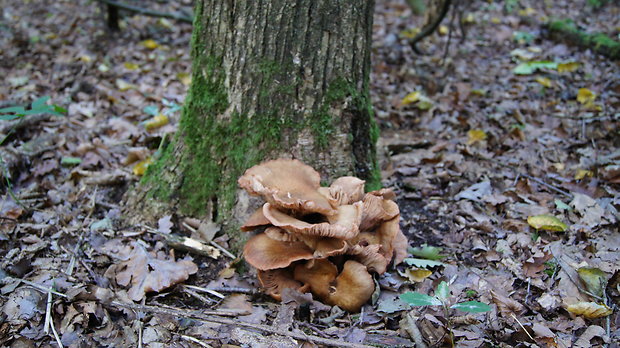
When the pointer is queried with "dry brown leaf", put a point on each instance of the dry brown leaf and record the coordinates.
(506, 305)
(148, 272)
(590, 310)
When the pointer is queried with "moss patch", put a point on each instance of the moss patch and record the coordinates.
(600, 43)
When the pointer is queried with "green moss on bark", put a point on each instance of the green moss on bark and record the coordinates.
(600, 43)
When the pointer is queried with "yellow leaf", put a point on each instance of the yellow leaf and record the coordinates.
(86, 58)
(582, 173)
(469, 19)
(590, 310)
(545, 81)
(568, 67)
(416, 275)
(140, 168)
(409, 33)
(123, 85)
(131, 66)
(475, 135)
(546, 222)
(424, 103)
(156, 122)
(496, 20)
(443, 30)
(412, 97)
(527, 12)
(185, 78)
(585, 96)
(150, 44)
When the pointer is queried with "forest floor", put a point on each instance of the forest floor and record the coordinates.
(480, 138)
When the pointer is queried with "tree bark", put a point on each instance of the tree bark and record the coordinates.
(271, 79)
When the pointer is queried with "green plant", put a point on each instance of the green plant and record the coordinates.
(38, 106)
(442, 298)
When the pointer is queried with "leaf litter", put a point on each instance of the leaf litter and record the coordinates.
(473, 149)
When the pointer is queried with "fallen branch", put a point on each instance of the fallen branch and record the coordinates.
(225, 321)
(147, 12)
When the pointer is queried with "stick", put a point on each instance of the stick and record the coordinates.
(226, 321)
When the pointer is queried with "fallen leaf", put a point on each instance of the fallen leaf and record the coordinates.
(475, 136)
(150, 271)
(150, 44)
(131, 66)
(156, 122)
(594, 279)
(415, 275)
(568, 67)
(545, 81)
(528, 68)
(123, 85)
(585, 96)
(140, 168)
(547, 222)
(589, 310)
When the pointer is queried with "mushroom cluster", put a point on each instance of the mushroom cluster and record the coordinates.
(326, 240)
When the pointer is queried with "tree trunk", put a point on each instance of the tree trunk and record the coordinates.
(271, 79)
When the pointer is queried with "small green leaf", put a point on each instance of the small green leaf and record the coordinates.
(12, 109)
(527, 68)
(58, 110)
(427, 252)
(421, 263)
(561, 205)
(40, 102)
(9, 117)
(418, 299)
(442, 292)
(472, 306)
(152, 110)
(70, 161)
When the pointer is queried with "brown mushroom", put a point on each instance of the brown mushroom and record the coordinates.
(352, 288)
(265, 253)
(287, 184)
(274, 281)
(344, 190)
(377, 210)
(400, 245)
(256, 220)
(276, 233)
(369, 256)
(324, 246)
(386, 233)
(317, 275)
(344, 224)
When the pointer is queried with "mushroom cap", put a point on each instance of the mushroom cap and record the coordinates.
(377, 210)
(317, 275)
(345, 190)
(385, 193)
(324, 246)
(256, 220)
(344, 224)
(274, 281)
(400, 245)
(265, 253)
(288, 184)
(386, 233)
(276, 233)
(352, 288)
(369, 255)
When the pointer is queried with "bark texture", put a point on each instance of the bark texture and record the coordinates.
(270, 79)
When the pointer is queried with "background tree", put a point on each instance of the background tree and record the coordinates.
(270, 79)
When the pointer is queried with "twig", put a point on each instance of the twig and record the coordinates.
(222, 249)
(523, 327)
(209, 291)
(39, 287)
(197, 295)
(232, 289)
(48, 313)
(428, 30)
(147, 12)
(76, 249)
(195, 340)
(226, 321)
(58, 341)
